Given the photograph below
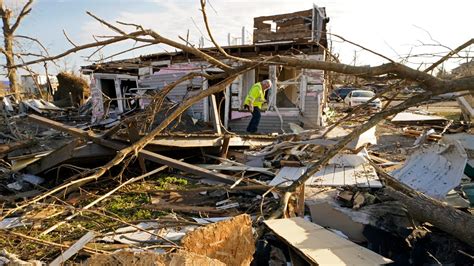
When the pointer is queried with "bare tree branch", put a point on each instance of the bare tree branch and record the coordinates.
(360, 46)
(446, 57)
(24, 11)
(34, 40)
(85, 46)
(68, 39)
(203, 10)
(128, 50)
(138, 27)
(160, 39)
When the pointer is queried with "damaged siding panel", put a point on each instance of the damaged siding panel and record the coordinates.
(180, 92)
(312, 113)
(310, 116)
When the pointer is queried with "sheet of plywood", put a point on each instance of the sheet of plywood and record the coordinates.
(328, 176)
(349, 172)
(286, 175)
(320, 246)
(338, 179)
(331, 175)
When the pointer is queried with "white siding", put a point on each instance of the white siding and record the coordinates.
(180, 92)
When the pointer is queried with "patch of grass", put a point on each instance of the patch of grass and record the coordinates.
(455, 116)
(128, 206)
(172, 181)
(160, 183)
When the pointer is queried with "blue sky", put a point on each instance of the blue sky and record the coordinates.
(393, 28)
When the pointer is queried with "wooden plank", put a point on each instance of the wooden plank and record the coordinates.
(275, 36)
(361, 175)
(295, 21)
(75, 132)
(189, 168)
(318, 178)
(372, 178)
(237, 168)
(338, 179)
(209, 141)
(183, 208)
(286, 175)
(187, 143)
(328, 176)
(72, 250)
(280, 30)
(320, 246)
(56, 157)
(93, 151)
(350, 177)
(225, 146)
(300, 206)
(216, 120)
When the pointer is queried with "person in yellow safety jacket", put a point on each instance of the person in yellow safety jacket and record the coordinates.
(254, 101)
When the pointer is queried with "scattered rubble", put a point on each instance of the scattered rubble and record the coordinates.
(111, 181)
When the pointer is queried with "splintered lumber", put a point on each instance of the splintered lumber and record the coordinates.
(54, 158)
(186, 167)
(146, 258)
(72, 250)
(229, 241)
(145, 154)
(6, 148)
(320, 246)
(183, 208)
(416, 133)
(76, 132)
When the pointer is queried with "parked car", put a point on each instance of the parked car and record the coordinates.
(340, 94)
(357, 97)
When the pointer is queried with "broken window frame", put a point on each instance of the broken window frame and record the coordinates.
(121, 105)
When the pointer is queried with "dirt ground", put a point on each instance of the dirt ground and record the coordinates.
(448, 109)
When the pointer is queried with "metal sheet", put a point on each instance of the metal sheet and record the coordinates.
(435, 169)
(410, 117)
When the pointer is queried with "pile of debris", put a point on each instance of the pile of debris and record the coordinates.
(192, 195)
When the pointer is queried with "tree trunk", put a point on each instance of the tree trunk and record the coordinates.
(426, 209)
(441, 215)
(9, 28)
(10, 65)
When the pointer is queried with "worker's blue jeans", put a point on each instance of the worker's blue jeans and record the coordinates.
(253, 124)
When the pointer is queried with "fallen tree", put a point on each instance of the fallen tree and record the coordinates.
(426, 209)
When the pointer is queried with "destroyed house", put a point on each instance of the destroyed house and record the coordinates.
(297, 95)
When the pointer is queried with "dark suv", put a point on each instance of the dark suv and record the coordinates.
(339, 94)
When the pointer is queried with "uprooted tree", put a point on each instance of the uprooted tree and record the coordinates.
(390, 71)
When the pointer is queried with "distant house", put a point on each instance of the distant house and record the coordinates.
(29, 83)
(466, 102)
(296, 96)
(464, 70)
